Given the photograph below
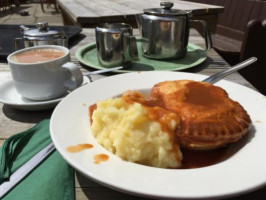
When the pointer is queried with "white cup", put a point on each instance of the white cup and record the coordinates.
(45, 80)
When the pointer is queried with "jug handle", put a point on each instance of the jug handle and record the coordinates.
(206, 33)
(65, 41)
(133, 49)
(16, 43)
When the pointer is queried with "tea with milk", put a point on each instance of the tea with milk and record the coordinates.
(37, 55)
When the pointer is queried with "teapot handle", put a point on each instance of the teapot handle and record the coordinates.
(206, 33)
(132, 46)
(17, 42)
(64, 40)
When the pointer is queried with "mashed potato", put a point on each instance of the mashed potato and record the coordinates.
(134, 133)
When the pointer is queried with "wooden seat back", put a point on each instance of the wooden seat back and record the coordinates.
(254, 44)
(237, 13)
(241, 34)
(232, 23)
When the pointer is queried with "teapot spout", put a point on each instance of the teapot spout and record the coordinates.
(23, 28)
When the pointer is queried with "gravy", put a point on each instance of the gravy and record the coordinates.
(197, 159)
(79, 147)
(100, 158)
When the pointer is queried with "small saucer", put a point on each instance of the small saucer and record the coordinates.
(10, 96)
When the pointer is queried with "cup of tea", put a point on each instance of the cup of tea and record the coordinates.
(115, 44)
(44, 72)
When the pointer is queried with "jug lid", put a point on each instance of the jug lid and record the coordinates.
(42, 30)
(166, 10)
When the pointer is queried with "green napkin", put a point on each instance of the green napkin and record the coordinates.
(53, 179)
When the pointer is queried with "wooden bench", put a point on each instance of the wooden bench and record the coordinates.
(231, 24)
(240, 33)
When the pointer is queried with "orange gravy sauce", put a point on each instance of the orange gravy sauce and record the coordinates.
(196, 159)
(91, 109)
(100, 158)
(79, 147)
(202, 95)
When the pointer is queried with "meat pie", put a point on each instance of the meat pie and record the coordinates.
(209, 118)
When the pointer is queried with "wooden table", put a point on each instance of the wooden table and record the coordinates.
(87, 13)
(13, 121)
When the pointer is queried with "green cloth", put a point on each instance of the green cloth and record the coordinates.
(52, 179)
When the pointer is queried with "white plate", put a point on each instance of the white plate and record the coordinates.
(10, 96)
(243, 172)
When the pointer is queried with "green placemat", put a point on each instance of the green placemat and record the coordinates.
(87, 55)
(53, 179)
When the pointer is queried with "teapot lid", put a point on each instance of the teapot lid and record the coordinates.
(166, 10)
(42, 30)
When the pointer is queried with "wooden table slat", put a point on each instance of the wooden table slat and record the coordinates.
(87, 13)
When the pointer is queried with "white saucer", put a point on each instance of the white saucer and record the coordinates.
(10, 96)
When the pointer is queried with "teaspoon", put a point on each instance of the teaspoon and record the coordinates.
(218, 76)
(102, 71)
(212, 79)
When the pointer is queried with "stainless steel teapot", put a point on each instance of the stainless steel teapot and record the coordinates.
(165, 32)
(41, 35)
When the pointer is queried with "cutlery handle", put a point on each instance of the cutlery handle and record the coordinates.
(25, 169)
(102, 71)
(216, 77)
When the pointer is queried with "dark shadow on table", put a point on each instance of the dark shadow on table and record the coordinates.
(259, 194)
(75, 40)
(26, 116)
(196, 68)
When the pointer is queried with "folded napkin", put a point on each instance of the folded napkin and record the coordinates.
(53, 179)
